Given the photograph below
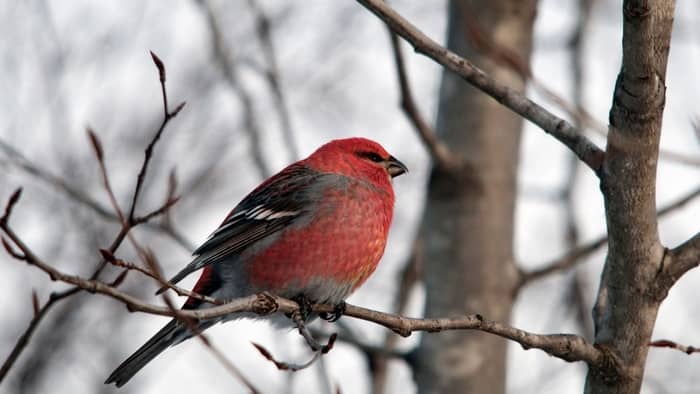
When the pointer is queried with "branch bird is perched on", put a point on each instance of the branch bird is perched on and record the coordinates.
(314, 231)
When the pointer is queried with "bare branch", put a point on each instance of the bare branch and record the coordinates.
(223, 360)
(77, 195)
(684, 258)
(283, 365)
(126, 226)
(26, 336)
(229, 70)
(149, 273)
(273, 77)
(105, 178)
(673, 345)
(190, 323)
(568, 347)
(439, 152)
(158, 212)
(573, 257)
(319, 351)
(10, 205)
(148, 153)
(569, 260)
(559, 128)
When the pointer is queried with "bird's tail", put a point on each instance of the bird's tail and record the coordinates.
(172, 334)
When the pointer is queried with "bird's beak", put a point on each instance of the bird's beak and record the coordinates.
(394, 167)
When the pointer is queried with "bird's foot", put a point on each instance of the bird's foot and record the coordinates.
(305, 305)
(338, 311)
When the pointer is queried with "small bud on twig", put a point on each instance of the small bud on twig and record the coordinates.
(96, 144)
(160, 65)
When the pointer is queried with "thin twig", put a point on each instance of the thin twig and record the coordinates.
(673, 345)
(229, 70)
(77, 195)
(439, 152)
(272, 74)
(318, 349)
(97, 146)
(192, 326)
(573, 257)
(31, 258)
(148, 152)
(161, 281)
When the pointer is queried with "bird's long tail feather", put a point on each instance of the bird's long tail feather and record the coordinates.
(173, 333)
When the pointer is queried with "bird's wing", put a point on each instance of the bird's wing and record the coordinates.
(271, 207)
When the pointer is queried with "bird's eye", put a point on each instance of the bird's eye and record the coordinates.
(373, 156)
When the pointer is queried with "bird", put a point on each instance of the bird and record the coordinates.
(314, 232)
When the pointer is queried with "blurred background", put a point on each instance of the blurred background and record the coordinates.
(257, 99)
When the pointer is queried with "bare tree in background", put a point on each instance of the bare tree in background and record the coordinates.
(468, 220)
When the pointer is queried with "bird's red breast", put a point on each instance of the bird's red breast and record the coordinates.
(343, 243)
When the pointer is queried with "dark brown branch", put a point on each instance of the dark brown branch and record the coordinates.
(559, 128)
(439, 152)
(14, 197)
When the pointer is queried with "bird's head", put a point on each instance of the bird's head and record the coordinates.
(357, 157)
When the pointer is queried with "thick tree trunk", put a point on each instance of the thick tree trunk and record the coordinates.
(630, 295)
(468, 223)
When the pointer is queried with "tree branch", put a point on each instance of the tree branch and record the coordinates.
(439, 152)
(684, 258)
(229, 70)
(80, 197)
(568, 347)
(559, 128)
(574, 256)
(148, 152)
(127, 224)
(272, 75)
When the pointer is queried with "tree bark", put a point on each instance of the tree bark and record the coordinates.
(629, 297)
(468, 220)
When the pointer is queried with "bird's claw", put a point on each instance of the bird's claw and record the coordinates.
(338, 311)
(304, 307)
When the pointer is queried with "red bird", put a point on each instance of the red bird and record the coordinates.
(315, 231)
